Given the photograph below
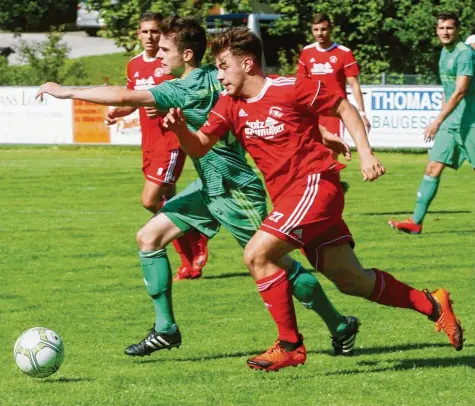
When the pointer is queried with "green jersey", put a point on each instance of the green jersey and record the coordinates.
(460, 61)
(196, 94)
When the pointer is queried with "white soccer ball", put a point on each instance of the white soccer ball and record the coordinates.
(39, 352)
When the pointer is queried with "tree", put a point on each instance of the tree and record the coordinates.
(395, 36)
(122, 17)
(386, 35)
(26, 15)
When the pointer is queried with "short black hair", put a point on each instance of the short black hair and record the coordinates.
(188, 32)
(449, 15)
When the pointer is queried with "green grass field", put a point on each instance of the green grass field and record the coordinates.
(69, 262)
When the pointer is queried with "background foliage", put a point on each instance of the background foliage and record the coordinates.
(387, 36)
(392, 36)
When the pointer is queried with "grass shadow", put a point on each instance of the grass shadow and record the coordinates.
(408, 213)
(410, 364)
(358, 352)
(451, 232)
(227, 275)
(68, 380)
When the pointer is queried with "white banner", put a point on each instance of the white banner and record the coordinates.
(399, 114)
(127, 130)
(24, 120)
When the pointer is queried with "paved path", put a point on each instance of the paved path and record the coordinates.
(80, 43)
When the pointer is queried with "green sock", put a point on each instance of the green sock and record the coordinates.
(308, 291)
(425, 195)
(158, 281)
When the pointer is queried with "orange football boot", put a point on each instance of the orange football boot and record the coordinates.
(277, 357)
(444, 317)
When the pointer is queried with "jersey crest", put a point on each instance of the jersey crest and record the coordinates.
(158, 72)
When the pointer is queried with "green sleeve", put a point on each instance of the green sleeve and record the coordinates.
(465, 63)
(167, 95)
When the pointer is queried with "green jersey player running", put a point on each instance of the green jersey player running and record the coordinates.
(453, 130)
(227, 193)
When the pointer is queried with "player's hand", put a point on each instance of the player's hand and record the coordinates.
(175, 120)
(366, 123)
(112, 116)
(336, 144)
(152, 112)
(431, 131)
(54, 90)
(371, 168)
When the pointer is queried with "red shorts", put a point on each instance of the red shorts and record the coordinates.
(332, 124)
(163, 167)
(310, 212)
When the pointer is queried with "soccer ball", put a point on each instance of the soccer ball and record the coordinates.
(39, 352)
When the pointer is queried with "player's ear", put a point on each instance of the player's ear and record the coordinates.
(247, 64)
(187, 55)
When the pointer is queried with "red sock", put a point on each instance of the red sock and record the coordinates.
(277, 295)
(199, 242)
(389, 291)
(184, 248)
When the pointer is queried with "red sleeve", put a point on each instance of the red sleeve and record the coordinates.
(351, 68)
(130, 80)
(218, 123)
(302, 66)
(314, 97)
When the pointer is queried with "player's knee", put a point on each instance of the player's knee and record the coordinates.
(148, 240)
(434, 169)
(152, 205)
(253, 258)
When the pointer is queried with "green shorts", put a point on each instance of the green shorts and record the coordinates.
(240, 210)
(453, 146)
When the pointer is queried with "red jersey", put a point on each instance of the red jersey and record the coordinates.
(278, 129)
(332, 66)
(143, 73)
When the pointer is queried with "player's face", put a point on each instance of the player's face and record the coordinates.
(447, 32)
(321, 32)
(231, 72)
(149, 35)
(173, 61)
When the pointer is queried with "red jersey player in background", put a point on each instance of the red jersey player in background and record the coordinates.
(274, 120)
(334, 65)
(162, 157)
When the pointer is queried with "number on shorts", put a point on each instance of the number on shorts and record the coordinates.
(160, 171)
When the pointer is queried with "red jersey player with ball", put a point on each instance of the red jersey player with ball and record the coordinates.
(274, 120)
(163, 159)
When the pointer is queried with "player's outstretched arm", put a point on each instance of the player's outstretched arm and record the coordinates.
(195, 144)
(371, 168)
(106, 95)
(461, 86)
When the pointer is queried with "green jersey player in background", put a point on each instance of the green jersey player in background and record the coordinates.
(227, 193)
(453, 130)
